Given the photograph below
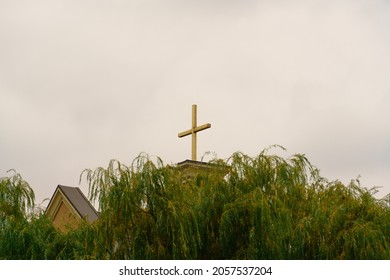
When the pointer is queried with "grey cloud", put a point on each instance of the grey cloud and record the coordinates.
(82, 82)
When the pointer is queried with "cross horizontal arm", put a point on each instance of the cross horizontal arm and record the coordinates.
(197, 129)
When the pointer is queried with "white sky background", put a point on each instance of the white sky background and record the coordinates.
(83, 82)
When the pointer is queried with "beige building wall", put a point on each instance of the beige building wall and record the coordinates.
(64, 220)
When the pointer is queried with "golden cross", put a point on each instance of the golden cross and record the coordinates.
(195, 129)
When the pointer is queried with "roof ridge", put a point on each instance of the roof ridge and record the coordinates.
(87, 200)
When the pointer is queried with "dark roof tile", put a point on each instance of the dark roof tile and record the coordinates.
(78, 200)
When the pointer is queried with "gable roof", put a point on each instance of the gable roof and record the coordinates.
(77, 200)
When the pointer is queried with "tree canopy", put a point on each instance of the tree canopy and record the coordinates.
(263, 207)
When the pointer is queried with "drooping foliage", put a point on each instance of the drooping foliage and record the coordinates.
(16, 198)
(24, 234)
(263, 207)
(145, 211)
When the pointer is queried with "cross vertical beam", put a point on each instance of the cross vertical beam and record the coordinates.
(194, 129)
(193, 134)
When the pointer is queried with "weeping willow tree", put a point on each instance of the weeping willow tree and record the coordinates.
(289, 211)
(263, 207)
(146, 211)
(24, 233)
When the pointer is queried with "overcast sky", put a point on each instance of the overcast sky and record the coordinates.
(86, 81)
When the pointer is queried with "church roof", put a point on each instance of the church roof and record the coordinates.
(79, 202)
(193, 163)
